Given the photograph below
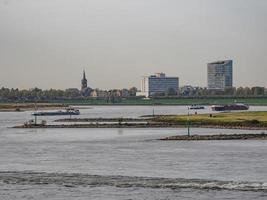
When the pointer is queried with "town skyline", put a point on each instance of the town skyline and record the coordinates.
(138, 85)
(48, 46)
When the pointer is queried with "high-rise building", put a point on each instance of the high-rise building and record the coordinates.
(220, 75)
(158, 83)
(83, 82)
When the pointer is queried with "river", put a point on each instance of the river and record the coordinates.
(127, 163)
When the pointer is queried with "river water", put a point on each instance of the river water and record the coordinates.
(127, 163)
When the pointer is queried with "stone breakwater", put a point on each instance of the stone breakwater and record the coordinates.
(96, 125)
(261, 136)
(101, 120)
(143, 124)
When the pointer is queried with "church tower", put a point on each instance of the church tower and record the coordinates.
(84, 82)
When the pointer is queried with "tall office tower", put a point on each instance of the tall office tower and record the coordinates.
(220, 75)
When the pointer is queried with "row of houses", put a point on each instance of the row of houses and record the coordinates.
(97, 93)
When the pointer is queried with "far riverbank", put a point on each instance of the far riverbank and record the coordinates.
(20, 107)
(259, 101)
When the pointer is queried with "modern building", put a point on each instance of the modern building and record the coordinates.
(220, 75)
(158, 84)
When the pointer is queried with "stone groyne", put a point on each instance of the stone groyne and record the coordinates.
(100, 119)
(261, 136)
(94, 125)
(143, 124)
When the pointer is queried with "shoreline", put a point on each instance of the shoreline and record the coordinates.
(261, 136)
(163, 104)
(22, 107)
(159, 101)
(135, 125)
(102, 119)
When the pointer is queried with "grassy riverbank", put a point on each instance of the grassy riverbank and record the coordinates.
(230, 119)
(168, 101)
(161, 101)
(11, 107)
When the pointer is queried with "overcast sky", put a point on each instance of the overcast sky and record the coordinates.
(47, 43)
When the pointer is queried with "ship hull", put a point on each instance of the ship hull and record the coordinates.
(230, 107)
(53, 113)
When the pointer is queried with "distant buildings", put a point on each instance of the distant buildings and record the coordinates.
(99, 93)
(188, 90)
(159, 84)
(220, 75)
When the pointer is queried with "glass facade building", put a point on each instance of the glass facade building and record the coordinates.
(220, 75)
(158, 83)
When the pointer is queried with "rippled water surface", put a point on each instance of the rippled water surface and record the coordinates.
(127, 163)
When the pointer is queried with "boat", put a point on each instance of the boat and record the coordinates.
(196, 107)
(229, 107)
(67, 111)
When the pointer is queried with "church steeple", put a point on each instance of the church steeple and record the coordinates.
(84, 81)
(84, 77)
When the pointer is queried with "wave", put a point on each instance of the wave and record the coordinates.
(79, 179)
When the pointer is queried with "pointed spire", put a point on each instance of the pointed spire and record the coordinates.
(84, 74)
(84, 81)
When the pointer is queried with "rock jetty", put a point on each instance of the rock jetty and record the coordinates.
(261, 136)
(100, 119)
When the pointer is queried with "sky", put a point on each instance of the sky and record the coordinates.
(48, 43)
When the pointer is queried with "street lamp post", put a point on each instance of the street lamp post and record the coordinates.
(188, 124)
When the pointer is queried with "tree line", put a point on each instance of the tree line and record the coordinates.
(114, 95)
(56, 94)
(234, 92)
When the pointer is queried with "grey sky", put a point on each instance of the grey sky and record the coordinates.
(47, 43)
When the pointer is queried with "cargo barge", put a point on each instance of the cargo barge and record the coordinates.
(67, 111)
(236, 106)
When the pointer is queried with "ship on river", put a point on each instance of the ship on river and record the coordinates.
(196, 107)
(67, 111)
(229, 107)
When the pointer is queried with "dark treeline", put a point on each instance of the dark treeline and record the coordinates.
(37, 94)
(199, 92)
(114, 95)
(188, 91)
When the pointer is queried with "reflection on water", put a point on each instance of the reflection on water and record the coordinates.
(120, 131)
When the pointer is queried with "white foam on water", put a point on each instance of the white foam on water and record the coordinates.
(78, 179)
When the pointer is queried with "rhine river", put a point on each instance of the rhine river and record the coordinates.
(124, 164)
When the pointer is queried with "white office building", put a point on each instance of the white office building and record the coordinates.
(158, 83)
